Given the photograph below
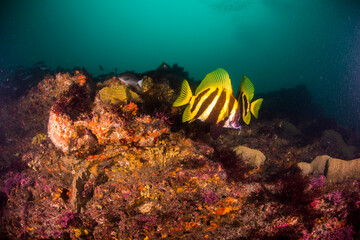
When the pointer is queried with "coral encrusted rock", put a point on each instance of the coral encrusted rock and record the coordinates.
(78, 196)
(252, 157)
(70, 136)
(67, 127)
(80, 126)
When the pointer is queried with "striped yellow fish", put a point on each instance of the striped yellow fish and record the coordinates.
(213, 101)
(244, 96)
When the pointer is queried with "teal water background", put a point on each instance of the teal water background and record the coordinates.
(276, 43)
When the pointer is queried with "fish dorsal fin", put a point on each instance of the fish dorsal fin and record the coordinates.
(247, 88)
(217, 79)
(184, 96)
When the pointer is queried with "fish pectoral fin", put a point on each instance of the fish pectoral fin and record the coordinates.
(255, 107)
(216, 79)
(184, 96)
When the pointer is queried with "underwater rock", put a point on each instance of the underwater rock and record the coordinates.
(78, 200)
(67, 127)
(159, 85)
(157, 94)
(69, 162)
(106, 127)
(252, 157)
(147, 83)
(318, 165)
(305, 168)
(163, 67)
(80, 127)
(289, 128)
(336, 170)
(336, 139)
(54, 86)
(70, 136)
(145, 181)
(28, 115)
(295, 104)
(120, 125)
(339, 170)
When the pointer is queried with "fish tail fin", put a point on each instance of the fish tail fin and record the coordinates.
(255, 107)
(184, 96)
(140, 83)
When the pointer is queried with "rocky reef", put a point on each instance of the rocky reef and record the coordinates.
(86, 160)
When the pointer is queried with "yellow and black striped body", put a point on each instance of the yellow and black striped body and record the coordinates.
(244, 105)
(214, 102)
(214, 105)
(244, 97)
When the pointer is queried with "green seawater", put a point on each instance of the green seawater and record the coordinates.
(276, 43)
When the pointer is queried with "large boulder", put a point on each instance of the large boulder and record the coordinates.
(336, 170)
(305, 168)
(318, 165)
(252, 157)
(335, 138)
(70, 136)
(339, 170)
(68, 120)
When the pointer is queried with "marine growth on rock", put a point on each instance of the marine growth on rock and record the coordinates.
(117, 163)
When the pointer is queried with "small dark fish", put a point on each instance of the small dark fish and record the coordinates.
(20, 68)
(27, 77)
(101, 68)
(130, 79)
(115, 69)
(20, 73)
(39, 64)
